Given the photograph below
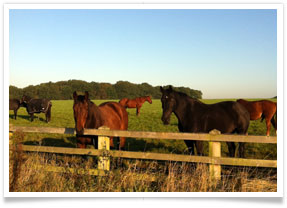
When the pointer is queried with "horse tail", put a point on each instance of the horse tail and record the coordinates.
(275, 114)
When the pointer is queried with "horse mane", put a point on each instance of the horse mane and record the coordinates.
(81, 98)
(184, 95)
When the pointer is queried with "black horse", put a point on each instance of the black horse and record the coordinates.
(196, 117)
(37, 106)
(14, 104)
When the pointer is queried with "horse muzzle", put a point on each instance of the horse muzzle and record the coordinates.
(165, 120)
(80, 132)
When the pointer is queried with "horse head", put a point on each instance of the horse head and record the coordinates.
(168, 104)
(81, 109)
(149, 99)
(25, 99)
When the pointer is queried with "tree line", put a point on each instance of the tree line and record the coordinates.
(63, 90)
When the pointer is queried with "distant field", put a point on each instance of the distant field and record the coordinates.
(149, 120)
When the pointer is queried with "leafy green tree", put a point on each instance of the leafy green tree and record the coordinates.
(63, 90)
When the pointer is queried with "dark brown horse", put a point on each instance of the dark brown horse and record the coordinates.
(196, 117)
(135, 103)
(37, 106)
(264, 109)
(89, 115)
(15, 104)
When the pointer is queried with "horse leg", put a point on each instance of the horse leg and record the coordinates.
(15, 114)
(122, 143)
(32, 116)
(46, 117)
(80, 145)
(268, 125)
(241, 149)
(112, 142)
(199, 147)
(48, 114)
(274, 123)
(190, 146)
(231, 149)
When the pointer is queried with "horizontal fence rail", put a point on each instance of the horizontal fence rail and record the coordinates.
(153, 135)
(153, 156)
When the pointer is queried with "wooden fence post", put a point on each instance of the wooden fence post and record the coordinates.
(214, 151)
(104, 145)
(10, 134)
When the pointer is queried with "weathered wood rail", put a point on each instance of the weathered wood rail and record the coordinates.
(214, 138)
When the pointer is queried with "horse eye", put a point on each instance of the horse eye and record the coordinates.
(166, 97)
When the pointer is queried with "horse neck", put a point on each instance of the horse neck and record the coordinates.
(145, 99)
(94, 116)
(186, 106)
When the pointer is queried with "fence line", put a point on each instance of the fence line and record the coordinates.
(214, 138)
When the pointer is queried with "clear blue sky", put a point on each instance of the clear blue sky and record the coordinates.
(223, 53)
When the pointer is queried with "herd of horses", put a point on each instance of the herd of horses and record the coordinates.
(194, 116)
(32, 106)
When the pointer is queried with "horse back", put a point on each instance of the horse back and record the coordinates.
(227, 117)
(38, 105)
(259, 108)
(268, 105)
(123, 102)
(114, 115)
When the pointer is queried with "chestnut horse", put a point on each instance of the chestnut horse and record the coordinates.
(263, 109)
(89, 115)
(135, 103)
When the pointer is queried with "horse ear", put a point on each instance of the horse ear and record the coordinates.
(86, 95)
(161, 89)
(75, 95)
(170, 88)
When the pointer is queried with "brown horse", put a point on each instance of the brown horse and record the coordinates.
(89, 115)
(262, 109)
(135, 103)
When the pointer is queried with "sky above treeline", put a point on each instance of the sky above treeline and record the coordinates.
(224, 53)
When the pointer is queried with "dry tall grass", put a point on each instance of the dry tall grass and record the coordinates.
(132, 176)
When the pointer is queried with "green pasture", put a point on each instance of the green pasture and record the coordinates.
(148, 120)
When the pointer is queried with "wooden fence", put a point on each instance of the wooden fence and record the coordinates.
(214, 138)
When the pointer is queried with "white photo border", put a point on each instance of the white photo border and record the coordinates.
(278, 7)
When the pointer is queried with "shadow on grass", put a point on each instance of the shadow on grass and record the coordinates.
(140, 145)
(67, 142)
(27, 117)
(11, 116)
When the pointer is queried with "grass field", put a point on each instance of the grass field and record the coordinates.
(169, 176)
